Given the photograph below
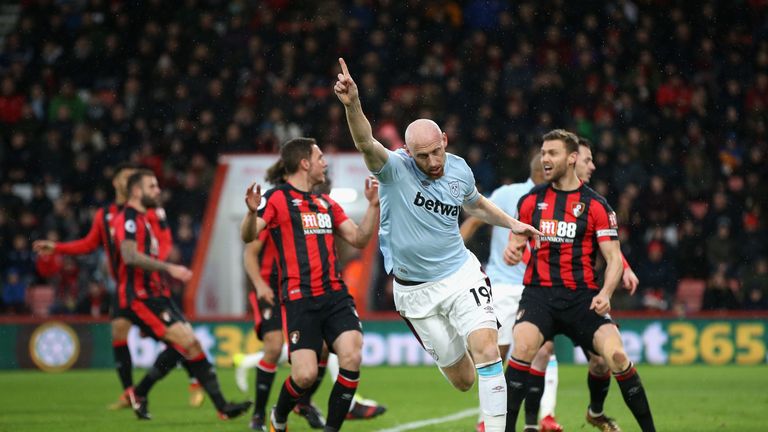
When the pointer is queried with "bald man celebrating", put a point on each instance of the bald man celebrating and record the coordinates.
(440, 289)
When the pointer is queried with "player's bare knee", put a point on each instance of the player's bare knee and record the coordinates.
(598, 366)
(487, 353)
(273, 346)
(464, 381)
(547, 349)
(350, 359)
(120, 329)
(272, 353)
(304, 377)
(193, 348)
(620, 360)
(525, 351)
(190, 341)
(465, 385)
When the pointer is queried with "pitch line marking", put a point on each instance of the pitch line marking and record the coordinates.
(433, 421)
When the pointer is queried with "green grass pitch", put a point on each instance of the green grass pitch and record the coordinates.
(692, 398)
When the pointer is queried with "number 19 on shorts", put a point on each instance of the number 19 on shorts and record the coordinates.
(483, 292)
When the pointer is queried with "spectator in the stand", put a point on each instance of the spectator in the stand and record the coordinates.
(692, 255)
(723, 210)
(664, 91)
(11, 102)
(699, 175)
(718, 294)
(95, 301)
(185, 240)
(19, 257)
(658, 205)
(187, 199)
(722, 248)
(658, 276)
(13, 292)
(20, 161)
(67, 98)
(67, 287)
(40, 204)
(755, 285)
(480, 164)
(753, 242)
(10, 202)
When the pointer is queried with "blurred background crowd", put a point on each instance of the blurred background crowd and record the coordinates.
(672, 94)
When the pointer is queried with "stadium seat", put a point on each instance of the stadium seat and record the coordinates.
(690, 293)
(40, 299)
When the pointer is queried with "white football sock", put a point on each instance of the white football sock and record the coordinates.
(492, 388)
(549, 397)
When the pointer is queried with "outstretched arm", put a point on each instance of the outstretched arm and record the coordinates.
(488, 212)
(374, 153)
(132, 257)
(81, 246)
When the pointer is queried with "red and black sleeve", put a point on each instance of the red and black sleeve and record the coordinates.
(90, 242)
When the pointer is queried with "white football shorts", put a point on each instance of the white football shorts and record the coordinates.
(443, 313)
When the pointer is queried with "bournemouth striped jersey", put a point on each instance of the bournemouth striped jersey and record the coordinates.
(573, 223)
(134, 282)
(268, 263)
(159, 224)
(102, 233)
(301, 225)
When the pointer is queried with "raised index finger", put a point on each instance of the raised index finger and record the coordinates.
(344, 69)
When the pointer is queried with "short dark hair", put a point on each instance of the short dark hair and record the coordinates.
(122, 166)
(136, 178)
(293, 151)
(585, 143)
(569, 138)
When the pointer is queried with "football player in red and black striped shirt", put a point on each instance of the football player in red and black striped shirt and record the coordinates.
(599, 374)
(100, 235)
(561, 292)
(316, 305)
(261, 265)
(148, 302)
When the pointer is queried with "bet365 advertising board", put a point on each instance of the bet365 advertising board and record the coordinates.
(57, 346)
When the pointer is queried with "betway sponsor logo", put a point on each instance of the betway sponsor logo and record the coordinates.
(435, 206)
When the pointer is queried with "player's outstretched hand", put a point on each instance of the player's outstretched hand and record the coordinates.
(43, 247)
(372, 191)
(630, 281)
(180, 272)
(253, 197)
(601, 304)
(345, 88)
(528, 231)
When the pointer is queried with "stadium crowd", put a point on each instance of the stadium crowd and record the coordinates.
(672, 94)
